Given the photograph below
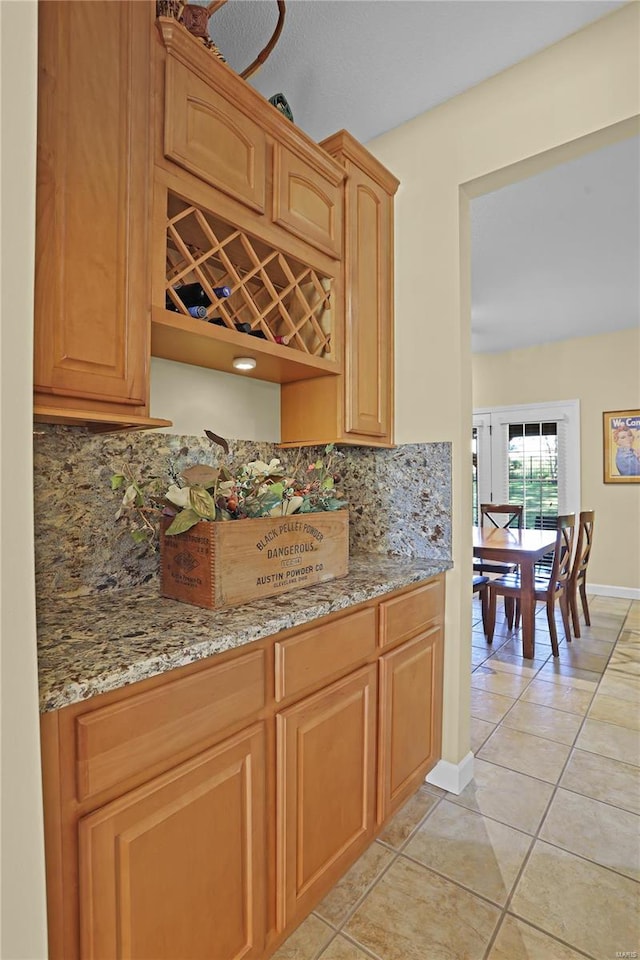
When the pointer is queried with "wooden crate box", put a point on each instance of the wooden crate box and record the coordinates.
(223, 564)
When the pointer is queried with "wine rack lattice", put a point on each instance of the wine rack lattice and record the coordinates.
(282, 299)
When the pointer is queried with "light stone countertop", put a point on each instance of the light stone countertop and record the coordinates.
(93, 644)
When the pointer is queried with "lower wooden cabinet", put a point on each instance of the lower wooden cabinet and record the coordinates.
(176, 868)
(410, 718)
(326, 747)
(203, 813)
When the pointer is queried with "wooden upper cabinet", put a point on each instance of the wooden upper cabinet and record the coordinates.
(307, 201)
(368, 266)
(208, 135)
(368, 331)
(358, 407)
(92, 292)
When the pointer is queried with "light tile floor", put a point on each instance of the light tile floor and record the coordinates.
(539, 857)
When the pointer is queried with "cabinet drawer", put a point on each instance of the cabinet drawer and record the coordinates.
(404, 617)
(126, 738)
(304, 661)
(209, 136)
(306, 202)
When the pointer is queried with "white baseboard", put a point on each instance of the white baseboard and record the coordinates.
(604, 590)
(452, 777)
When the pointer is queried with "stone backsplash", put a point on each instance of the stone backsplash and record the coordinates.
(399, 501)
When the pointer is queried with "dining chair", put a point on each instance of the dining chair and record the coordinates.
(480, 586)
(578, 577)
(498, 515)
(548, 589)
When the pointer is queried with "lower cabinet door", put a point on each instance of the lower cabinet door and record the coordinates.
(325, 789)
(410, 718)
(176, 869)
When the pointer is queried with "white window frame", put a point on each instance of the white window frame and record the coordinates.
(566, 413)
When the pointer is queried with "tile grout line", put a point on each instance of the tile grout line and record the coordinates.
(536, 838)
(339, 930)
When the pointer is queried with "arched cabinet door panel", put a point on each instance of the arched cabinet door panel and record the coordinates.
(206, 134)
(308, 201)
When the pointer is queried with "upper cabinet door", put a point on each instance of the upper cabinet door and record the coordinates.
(307, 202)
(92, 296)
(369, 331)
(208, 135)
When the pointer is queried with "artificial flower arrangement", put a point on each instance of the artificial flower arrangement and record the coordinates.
(202, 492)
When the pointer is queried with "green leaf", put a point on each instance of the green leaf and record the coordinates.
(182, 521)
(327, 483)
(331, 503)
(260, 506)
(202, 502)
(140, 535)
(117, 480)
(318, 465)
(276, 490)
(329, 448)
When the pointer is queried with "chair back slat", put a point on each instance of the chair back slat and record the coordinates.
(563, 553)
(511, 512)
(583, 546)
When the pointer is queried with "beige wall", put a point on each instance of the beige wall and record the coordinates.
(195, 399)
(23, 933)
(603, 373)
(572, 90)
(571, 97)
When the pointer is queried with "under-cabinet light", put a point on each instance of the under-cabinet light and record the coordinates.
(244, 363)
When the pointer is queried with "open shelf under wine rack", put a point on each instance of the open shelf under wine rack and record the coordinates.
(287, 304)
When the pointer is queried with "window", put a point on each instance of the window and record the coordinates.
(530, 455)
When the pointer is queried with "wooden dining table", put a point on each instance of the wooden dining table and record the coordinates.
(526, 548)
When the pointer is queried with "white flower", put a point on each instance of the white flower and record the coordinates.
(179, 496)
(128, 500)
(258, 468)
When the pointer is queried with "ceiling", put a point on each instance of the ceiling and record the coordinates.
(558, 255)
(555, 256)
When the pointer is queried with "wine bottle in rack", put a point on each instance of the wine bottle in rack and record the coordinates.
(262, 336)
(199, 311)
(193, 295)
(240, 327)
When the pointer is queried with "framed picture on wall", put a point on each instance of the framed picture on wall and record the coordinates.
(621, 446)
